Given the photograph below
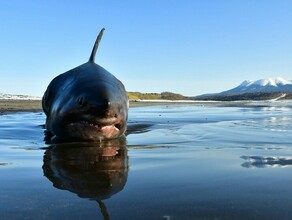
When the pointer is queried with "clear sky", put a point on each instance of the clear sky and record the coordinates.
(189, 47)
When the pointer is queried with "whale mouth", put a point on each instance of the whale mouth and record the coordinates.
(99, 127)
(92, 131)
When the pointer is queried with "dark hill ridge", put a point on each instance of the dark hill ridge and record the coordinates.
(246, 96)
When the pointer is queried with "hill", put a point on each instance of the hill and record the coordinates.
(263, 89)
(263, 85)
(247, 96)
(156, 96)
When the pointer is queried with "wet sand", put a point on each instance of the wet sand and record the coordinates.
(20, 105)
(7, 106)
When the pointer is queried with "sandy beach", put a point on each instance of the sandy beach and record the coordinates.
(36, 105)
(20, 105)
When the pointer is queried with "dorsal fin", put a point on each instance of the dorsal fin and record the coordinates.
(92, 56)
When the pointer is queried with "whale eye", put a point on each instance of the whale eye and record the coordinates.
(80, 101)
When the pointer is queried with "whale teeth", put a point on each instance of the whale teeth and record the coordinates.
(86, 123)
(118, 126)
(90, 124)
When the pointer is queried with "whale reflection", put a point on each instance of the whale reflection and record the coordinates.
(90, 170)
(266, 162)
(95, 171)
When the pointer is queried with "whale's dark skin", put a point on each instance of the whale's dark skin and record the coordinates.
(93, 170)
(86, 103)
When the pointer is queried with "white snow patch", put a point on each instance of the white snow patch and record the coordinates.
(18, 97)
(281, 96)
(278, 81)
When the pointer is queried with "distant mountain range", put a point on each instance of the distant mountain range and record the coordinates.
(263, 89)
(263, 85)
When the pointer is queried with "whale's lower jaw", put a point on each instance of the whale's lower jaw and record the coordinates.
(93, 132)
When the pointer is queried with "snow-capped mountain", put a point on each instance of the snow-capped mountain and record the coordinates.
(278, 84)
(18, 97)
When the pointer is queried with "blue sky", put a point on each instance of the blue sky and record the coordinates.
(189, 47)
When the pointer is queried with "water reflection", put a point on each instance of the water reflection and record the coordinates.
(266, 162)
(95, 171)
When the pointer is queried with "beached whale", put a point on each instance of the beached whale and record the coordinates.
(86, 103)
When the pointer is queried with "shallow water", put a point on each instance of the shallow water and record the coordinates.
(177, 162)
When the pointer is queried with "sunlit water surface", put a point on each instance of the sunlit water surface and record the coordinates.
(176, 162)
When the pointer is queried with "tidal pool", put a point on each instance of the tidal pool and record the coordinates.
(176, 162)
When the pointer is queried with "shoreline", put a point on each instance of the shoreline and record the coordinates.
(11, 106)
